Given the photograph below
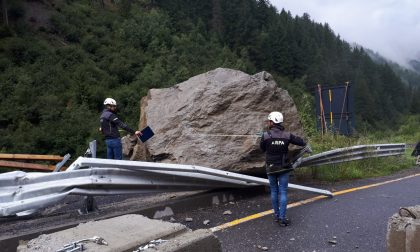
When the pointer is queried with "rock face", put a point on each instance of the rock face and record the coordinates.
(213, 120)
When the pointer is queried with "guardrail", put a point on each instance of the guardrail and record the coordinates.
(24, 193)
(354, 153)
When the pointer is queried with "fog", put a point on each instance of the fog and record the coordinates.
(389, 27)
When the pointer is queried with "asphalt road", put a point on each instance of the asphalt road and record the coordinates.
(356, 221)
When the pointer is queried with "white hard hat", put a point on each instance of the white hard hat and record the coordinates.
(275, 117)
(110, 101)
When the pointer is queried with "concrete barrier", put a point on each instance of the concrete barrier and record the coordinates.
(404, 230)
(127, 233)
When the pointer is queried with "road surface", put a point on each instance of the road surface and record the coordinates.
(354, 220)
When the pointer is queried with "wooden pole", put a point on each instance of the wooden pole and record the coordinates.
(22, 165)
(31, 157)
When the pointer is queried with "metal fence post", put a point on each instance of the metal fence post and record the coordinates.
(59, 165)
(89, 204)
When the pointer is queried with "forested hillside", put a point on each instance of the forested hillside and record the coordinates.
(60, 59)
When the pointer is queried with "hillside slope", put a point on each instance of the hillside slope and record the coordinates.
(60, 59)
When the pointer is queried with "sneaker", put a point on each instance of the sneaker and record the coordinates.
(276, 219)
(284, 222)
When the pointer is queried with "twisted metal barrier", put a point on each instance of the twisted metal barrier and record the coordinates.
(25, 193)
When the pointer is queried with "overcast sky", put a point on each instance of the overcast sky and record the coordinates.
(390, 27)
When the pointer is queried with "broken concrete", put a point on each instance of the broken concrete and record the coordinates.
(213, 120)
(412, 234)
(404, 230)
(126, 233)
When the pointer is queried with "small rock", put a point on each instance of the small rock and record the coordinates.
(356, 246)
(326, 226)
(227, 212)
(206, 222)
(259, 246)
(292, 239)
(172, 219)
(334, 237)
(188, 219)
(264, 248)
(348, 232)
(232, 203)
(332, 242)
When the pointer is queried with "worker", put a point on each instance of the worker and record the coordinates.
(109, 128)
(275, 143)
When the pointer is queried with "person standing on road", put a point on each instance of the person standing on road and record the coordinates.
(109, 128)
(275, 143)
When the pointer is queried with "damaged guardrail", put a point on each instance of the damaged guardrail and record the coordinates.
(24, 193)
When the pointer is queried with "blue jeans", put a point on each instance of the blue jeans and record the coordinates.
(278, 187)
(113, 148)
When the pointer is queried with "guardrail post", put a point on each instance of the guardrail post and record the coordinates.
(89, 203)
(92, 147)
(60, 164)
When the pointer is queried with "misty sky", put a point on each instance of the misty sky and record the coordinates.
(390, 27)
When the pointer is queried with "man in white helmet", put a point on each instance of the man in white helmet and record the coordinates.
(109, 128)
(275, 143)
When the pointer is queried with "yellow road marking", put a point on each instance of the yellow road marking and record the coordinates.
(303, 202)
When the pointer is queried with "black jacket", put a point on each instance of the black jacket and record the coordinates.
(276, 145)
(110, 123)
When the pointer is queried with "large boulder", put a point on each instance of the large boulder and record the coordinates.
(213, 120)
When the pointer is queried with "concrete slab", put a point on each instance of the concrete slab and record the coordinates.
(404, 230)
(124, 233)
(396, 233)
(412, 234)
(202, 240)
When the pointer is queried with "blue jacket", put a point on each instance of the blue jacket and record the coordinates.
(110, 123)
